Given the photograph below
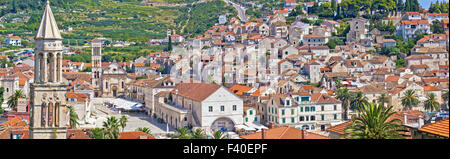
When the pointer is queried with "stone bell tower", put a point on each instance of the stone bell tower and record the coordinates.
(49, 114)
(97, 66)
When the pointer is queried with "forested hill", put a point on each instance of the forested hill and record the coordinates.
(128, 20)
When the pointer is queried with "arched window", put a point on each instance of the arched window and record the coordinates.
(306, 127)
(50, 114)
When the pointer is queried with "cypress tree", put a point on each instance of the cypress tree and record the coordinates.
(169, 48)
(333, 5)
(13, 6)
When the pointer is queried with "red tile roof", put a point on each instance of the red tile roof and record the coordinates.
(438, 128)
(392, 78)
(196, 91)
(135, 135)
(285, 132)
(430, 88)
(240, 89)
(340, 127)
(76, 134)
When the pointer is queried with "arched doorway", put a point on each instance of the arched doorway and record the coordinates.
(114, 89)
(223, 123)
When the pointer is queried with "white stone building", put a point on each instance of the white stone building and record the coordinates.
(200, 105)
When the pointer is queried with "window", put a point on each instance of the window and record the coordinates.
(282, 112)
(251, 112)
(210, 109)
(222, 108)
(323, 108)
(301, 109)
(335, 107)
(246, 119)
(335, 116)
(323, 117)
(292, 111)
(313, 108)
(256, 118)
(284, 120)
(234, 108)
(292, 120)
(306, 109)
(185, 118)
(272, 110)
(302, 118)
(307, 118)
(313, 118)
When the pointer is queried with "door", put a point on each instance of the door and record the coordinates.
(114, 91)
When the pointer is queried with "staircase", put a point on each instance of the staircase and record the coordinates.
(197, 122)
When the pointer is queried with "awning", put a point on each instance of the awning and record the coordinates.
(123, 104)
(256, 126)
(246, 128)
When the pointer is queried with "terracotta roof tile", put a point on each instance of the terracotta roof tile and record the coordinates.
(285, 132)
(439, 128)
(135, 135)
(196, 91)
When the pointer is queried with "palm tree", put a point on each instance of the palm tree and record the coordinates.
(219, 135)
(358, 101)
(338, 83)
(431, 104)
(409, 99)
(198, 134)
(445, 98)
(345, 96)
(111, 126)
(12, 101)
(123, 122)
(373, 123)
(98, 133)
(73, 121)
(183, 133)
(383, 99)
(144, 129)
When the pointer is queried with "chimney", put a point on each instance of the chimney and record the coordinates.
(405, 119)
(263, 133)
(420, 121)
(271, 125)
(304, 133)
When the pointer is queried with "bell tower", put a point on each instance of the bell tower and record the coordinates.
(48, 92)
(96, 66)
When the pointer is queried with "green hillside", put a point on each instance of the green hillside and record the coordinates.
(128, 20)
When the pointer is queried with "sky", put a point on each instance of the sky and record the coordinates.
(426, 3)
